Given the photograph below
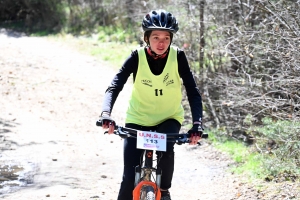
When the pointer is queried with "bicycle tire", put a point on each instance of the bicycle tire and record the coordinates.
(147, 193)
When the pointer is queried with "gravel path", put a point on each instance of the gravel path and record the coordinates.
(50, 99)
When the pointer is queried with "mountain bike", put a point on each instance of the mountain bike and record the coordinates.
(146, 184)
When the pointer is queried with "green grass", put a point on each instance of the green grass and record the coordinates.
(252, 167)
(260, 161)
(247, 162)
(236, 150)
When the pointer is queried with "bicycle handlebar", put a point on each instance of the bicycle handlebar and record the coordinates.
(125, 132)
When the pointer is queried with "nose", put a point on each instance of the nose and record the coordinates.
(161, 42)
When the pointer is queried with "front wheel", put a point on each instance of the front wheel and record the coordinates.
(147, 193)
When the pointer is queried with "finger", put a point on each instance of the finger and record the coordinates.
(111, 129)
(104, 126)
(194, 139)
(191, 141)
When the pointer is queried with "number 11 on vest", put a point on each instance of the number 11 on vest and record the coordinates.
(151, 141)
(158, 92)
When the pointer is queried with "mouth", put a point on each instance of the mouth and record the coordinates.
(160, 49)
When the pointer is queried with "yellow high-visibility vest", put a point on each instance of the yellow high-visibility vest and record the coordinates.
(155, 99)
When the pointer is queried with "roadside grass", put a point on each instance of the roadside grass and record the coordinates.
(280, 140)
(247, 161)
(269, 174)
(274, 157)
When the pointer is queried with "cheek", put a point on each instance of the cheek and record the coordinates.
(152, 43)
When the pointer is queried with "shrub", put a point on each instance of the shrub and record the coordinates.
(279, 142)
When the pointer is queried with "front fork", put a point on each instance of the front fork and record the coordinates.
(137, 175)
(146, 175)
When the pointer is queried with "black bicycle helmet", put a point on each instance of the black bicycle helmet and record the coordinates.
(160, 20)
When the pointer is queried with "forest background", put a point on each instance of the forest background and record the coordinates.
(244, 54)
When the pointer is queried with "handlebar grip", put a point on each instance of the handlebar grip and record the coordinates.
(204, 135)
(99, 123)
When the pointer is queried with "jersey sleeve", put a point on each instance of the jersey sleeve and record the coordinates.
(192, 90)
(118, 82)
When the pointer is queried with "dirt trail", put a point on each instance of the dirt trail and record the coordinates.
(50, 98)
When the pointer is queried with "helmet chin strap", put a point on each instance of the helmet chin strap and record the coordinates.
(155, 55)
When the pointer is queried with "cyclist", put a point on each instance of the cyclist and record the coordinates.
(155, 103)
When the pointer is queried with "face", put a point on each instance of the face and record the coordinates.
(159, 41)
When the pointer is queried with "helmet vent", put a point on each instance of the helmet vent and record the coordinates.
(163, 19)
(148, 17)
(156, 22)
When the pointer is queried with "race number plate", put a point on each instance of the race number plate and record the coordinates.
(151, 141)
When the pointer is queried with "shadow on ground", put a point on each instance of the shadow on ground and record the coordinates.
(8, 172)
(6, 128)
(11, 33)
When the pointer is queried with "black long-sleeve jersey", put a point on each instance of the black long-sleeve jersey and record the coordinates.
(130, 66)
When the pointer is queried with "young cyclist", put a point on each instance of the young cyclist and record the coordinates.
(155, 103)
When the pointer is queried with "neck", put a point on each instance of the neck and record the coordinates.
(155, 55)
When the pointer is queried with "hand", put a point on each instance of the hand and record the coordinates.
(107, 123)
(195, 133)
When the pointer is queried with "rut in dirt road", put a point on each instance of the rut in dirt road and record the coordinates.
(52, 95)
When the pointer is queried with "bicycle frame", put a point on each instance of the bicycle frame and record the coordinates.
(146, 172)
(148, 163)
